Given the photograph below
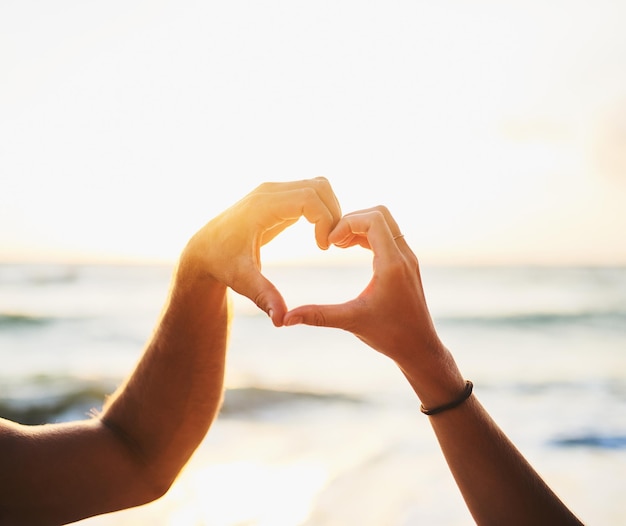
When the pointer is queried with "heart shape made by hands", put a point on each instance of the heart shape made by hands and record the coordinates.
(322, 277)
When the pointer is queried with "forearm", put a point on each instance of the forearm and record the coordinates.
(391, 316)
(150, 427)
(167, 405)
(131, 453)
(498, 484)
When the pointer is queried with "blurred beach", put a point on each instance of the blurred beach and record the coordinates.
(494, 132)
(319, 430)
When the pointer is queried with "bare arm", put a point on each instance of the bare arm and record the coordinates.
(133, 451)
(498, 484)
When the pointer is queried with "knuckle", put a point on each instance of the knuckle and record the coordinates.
(382, 209)
(318, 319)
(260, 300)
(378, 214)
(321, 182)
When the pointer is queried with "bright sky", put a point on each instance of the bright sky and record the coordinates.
(494, 131)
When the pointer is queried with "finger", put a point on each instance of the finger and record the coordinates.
(321, 185)
(329, 198)
(370, 225)
(264, 294)
(277, 211)
(343, 237)
(339, 316)
(327, 221)
(318, 202)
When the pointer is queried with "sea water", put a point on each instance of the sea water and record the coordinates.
(317, 429)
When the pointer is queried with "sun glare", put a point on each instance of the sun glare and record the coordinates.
(123, 132)
(248, 493)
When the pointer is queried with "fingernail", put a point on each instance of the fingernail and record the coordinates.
(270, 313)
(294, 321)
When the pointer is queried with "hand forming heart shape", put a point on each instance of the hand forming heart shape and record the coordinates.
(390, 314)
(228, 248)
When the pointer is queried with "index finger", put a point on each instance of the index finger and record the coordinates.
(312, 198)
(321, 185)
(373, 224)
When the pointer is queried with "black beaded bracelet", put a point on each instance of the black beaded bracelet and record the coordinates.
(469, 386)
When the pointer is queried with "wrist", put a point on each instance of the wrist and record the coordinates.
(193, 287)
(196, 305)
(462, 397)
(194, 266)
(434, 376)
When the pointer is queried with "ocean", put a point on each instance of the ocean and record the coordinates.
(317, 429)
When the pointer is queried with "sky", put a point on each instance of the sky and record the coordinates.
(495, 132)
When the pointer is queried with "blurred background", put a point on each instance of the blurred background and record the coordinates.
(496, 135)
(493, 132)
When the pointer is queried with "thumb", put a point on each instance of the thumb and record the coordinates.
(265, 295)
(339, 316)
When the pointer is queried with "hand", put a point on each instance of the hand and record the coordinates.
(497, 482)
(391, 314)
(227, 248)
